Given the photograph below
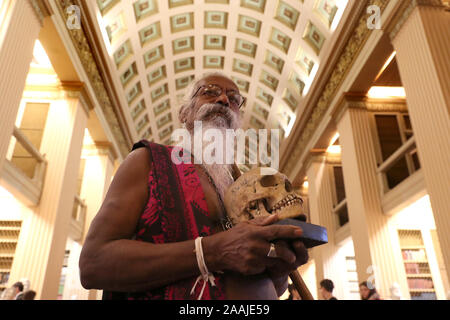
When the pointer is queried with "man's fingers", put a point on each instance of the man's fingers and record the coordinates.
(274, 232)
(264, 221)
(285, 254)
(301, 252)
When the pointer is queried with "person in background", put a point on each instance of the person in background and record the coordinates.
(326, 289)
(18, 290)
(366, 293)
(29, 295)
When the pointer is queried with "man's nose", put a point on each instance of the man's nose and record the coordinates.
(223, 100)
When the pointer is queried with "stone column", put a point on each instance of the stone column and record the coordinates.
(422, 41)
(103, 166)
(320, 193)
(40, 251)
(376, 257)
(18, 33)
(97, 175)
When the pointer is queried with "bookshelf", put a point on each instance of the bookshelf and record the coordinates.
(418, 273)
(9, 236)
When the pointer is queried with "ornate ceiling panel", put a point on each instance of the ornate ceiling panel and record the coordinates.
(272, 49)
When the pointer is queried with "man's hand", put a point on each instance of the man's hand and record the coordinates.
(279, 270)
(294, 254)
(244, 248)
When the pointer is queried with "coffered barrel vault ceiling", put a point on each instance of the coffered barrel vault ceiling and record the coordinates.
(272, 49)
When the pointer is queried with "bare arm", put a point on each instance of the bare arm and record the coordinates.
(110, 260)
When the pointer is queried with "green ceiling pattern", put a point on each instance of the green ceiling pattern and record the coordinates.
(271, 49)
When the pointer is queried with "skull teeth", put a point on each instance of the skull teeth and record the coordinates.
(288, 201)
(285, 202)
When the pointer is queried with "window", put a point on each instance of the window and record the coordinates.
(398, 153)
(32, 125)
(340, 207)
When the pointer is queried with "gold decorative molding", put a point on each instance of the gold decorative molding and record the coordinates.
(83, 48)
(357, 40)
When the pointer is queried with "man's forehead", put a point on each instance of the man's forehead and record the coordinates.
(221, 81)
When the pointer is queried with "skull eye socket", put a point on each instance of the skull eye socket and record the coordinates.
(268, 181)
(288, 186)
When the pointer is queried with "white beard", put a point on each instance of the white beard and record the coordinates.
(220, 173)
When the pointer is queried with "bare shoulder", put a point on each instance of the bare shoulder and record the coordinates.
(126, 198)
(137, 160)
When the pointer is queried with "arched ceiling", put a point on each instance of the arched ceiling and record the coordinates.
(272, 49)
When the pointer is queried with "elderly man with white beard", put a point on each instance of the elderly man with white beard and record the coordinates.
(160, 232)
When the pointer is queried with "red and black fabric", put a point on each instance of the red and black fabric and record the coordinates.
(176, 211)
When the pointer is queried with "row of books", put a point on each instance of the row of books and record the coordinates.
(416, 268)
(424, 296)
(420, 283)
(414, 254)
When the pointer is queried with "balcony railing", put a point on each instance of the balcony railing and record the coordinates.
(341, 213)
(400, 153)
(27, 183)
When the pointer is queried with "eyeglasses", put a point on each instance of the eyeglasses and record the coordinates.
(214, 91)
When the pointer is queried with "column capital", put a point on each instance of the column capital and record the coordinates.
(357, 100)
(101, 148)
(77, 90)
(107, 148)
(405, 11)
(42, 9)
(314, 156)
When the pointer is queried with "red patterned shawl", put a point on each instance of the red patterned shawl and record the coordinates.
(176, 211)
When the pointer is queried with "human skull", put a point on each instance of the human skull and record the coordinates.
(253, 195)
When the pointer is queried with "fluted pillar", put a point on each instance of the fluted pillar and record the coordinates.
(98, 171)
(422, 42)
(40, 251)
(329, 264)
(371, 233)
(19, 32)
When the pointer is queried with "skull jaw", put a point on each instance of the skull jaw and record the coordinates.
(289, 212)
